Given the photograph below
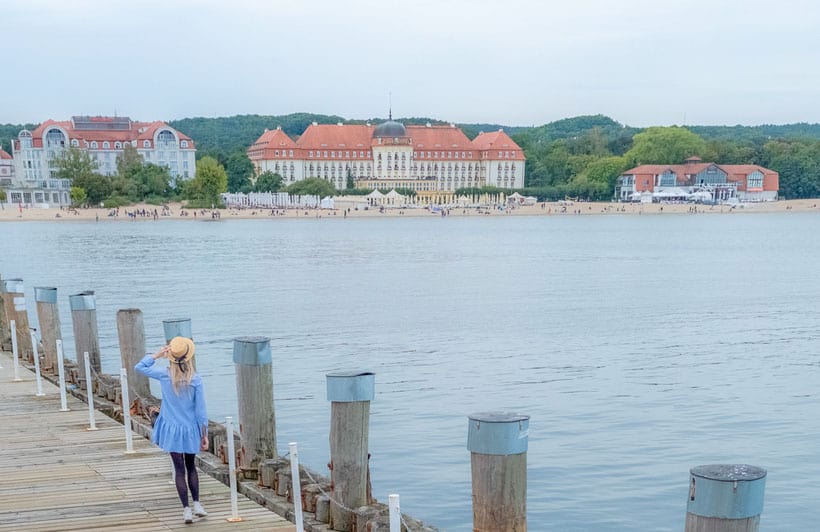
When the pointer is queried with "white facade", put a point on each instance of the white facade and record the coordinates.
(104, 139)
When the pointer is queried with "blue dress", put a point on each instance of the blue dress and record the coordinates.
(178, 428)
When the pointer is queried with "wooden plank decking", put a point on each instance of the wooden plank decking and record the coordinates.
(56, 475)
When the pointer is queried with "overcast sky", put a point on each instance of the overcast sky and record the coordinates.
(642, 62)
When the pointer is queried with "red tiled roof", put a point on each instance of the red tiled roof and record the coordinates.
(138, 131)
(497, 140)
(4, 155)
(329, 136)
(439, 137)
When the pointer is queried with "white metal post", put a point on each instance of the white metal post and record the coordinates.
(296, 486)
(36, 365)
(126, 412)
(61, 376)
(13, 326)
(395, 512)
(232, 471)
(89, 389)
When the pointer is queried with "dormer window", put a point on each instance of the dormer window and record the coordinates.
(94, 145)
(146, 144)
(184, 143)
(75, 143)
(118, 145)
(106, 145)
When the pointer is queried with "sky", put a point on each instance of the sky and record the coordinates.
(641, 62)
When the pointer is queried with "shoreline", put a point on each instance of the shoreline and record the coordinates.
(347, 209)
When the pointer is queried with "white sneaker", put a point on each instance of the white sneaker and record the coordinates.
(199, 510)
(187, 516)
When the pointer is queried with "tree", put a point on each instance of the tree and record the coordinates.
(75, 164)
(78, 195)
(239, 169)
(97, 187)
(153, 180)
(210, 181)
(349, 183)
(314, 186)
(129, 161)
(605, 170)
(665, 145)
(268, 182)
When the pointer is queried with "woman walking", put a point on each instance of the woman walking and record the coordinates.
(182, 425)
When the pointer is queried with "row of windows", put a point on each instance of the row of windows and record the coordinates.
(118, 145)
(333, 154)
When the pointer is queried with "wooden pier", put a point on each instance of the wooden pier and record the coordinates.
(56, 475)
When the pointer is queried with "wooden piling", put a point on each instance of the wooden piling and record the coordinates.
(725, 498)
(350, 394)
(5, 334)
(14, 299)
(498, 455)
(254, 390)
(178, 327)
(49, 317)
(84, 321)
(131, 334)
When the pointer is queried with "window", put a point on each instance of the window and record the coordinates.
(93, 144)
(75, 143)
(754, 180)
(118, 145)
(667, 179)
(146, 143)
(184, 144)
(276, 153)
(310, 154)
(106, 145)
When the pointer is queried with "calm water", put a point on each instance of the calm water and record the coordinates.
(640, 345)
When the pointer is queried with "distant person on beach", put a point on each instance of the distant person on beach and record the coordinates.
(182, 425)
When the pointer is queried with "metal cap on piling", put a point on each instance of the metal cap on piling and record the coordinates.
(45, 294)
(83, 301)
(252, 351)
(726, 491)
(12, 286)
(351, 386)
(177, 327)
(499, 433)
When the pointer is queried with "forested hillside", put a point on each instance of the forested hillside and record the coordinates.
(580, 156)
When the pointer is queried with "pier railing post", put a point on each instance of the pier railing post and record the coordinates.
(5, 333)
(14, 351)
(350, 394)
(37, 366)
(254, 390)
(14, 298)
(131, 334)
(725, 498)
(498, 455)
(49, 317)
(84, 320)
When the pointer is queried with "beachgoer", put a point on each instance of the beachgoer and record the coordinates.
(182, 425)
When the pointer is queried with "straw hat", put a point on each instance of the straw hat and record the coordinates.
(182, 349)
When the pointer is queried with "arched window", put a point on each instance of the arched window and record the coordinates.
(94, 145)
(75, 143)
(106, 145)
(118, 145)
(146, 143)
(184, 143)
(166, 139)
(55, 139)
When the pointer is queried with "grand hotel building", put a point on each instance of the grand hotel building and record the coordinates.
(428, 159)
(35, 153)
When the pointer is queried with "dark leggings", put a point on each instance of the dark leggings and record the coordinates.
(185, 462)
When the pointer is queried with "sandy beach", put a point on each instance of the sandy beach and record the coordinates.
(346, 209)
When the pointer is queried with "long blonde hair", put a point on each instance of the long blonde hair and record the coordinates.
(181, 373)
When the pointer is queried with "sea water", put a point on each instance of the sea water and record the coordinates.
(640, 346)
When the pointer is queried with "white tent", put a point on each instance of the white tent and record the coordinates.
(674, 192)
(375, 194)
(327, 203)
(700, 195)
(394, 198)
